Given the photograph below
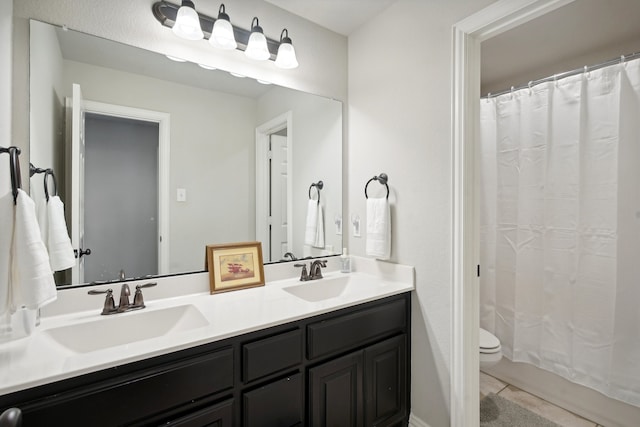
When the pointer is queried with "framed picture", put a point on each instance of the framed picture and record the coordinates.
(234, 266)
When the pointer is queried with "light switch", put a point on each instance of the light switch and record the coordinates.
(355, 222)
(182, 195)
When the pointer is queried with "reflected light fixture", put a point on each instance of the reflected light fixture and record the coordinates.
(187, 24)
(286, 53)
(257, 46)
(222, 35)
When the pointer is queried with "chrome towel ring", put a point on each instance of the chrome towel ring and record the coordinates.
(382, 179)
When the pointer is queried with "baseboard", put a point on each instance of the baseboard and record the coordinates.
(416, 422)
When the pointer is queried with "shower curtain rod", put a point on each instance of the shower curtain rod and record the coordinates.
(585, 69)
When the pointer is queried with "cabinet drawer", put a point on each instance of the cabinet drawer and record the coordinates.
(220, 415)
(270, 355)
(137, 397)
(278, 404)
(355, 329)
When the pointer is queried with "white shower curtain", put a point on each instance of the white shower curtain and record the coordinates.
(560, 227)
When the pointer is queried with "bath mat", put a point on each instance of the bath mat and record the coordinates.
(496, 411)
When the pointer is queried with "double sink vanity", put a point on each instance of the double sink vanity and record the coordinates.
(332, 351)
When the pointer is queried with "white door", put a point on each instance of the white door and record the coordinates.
(278, 197)
(76, 148)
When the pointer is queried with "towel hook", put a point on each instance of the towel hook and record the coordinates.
(319, 186)
(382, 179)
(14, 169)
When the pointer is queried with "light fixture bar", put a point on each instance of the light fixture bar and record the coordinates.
(166, 14)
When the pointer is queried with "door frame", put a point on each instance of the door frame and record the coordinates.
(164, 138)
(263, 132)
(467, 37)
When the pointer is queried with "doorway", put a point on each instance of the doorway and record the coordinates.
(105, 129)
(467, 37)
(274, 228)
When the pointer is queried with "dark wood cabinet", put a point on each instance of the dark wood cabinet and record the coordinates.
(363, 388)
(345, 368)
(335, 392)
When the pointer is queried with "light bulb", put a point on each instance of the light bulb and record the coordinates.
(257, 45)
(187, 24)
(222, 35)
(286, 53)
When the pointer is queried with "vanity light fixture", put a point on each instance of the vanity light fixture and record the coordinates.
(222, 35)
(257, 46)
(286, 53)
(187, 25)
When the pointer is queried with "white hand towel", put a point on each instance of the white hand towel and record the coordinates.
(311, 224)
(314, 228)
(57, 239)
(378, 228)
(319, 237)
(31, 282)
(6, 239)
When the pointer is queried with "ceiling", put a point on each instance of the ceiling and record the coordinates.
(584, 32)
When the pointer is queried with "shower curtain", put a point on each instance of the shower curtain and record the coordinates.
(560, 227)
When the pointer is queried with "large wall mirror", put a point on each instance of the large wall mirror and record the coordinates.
(154, 159)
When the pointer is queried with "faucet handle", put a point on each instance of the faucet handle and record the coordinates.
(109, 304)
(138, 299)
(304, 275)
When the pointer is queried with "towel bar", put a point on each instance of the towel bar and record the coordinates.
(319, 185)
(382, 179)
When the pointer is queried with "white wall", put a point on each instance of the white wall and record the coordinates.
(5, 90)
(400, 123)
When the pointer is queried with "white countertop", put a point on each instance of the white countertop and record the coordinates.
(39, 359)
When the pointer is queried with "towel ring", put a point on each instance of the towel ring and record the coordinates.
(47, 172)
(319, 185)
(14, 169)
(382, 179)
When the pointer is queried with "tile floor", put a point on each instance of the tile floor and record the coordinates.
(489, 384)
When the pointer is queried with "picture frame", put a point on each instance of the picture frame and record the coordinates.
(234, 266)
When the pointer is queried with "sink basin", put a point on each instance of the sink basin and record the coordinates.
(127, 328)
(318, 290)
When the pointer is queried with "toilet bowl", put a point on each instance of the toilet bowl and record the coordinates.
(490, 349)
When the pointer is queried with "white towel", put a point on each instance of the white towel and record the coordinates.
(31, 283)
(314, 228)
(378, 228)
(6, 239)
(56, 236)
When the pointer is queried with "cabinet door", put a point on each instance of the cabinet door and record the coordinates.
(277, 404)
(220, 415)
(335, 392)
(385, 373)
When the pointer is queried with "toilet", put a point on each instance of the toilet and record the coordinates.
(490, 349)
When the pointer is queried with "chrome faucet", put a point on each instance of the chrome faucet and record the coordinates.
(124, 305)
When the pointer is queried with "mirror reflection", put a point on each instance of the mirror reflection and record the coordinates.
(155, 159)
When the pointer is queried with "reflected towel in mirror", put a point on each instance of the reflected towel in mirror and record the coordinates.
(55, 235)
(314, 230)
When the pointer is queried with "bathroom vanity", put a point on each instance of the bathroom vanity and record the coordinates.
(306, 357)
